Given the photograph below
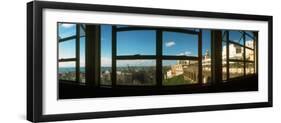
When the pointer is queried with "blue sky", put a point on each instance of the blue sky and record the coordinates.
(135, 42)
(179, 44)
(67, 48)
(236, 36)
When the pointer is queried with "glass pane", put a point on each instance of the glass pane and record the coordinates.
(67, 49)
(249, 38)
(236, 69)
(136, 72)
(82, 30)
(66, 30)
(180, 72)
(224, 35)
(224, 61)
(250, 68)
(250, 55)
(106, 47)
(82, 60)
(224, 50)
(224, 70)
(206, 53)
(136, 43)
(180, 44)
(236, 36)
(236, 52)
(67, 71)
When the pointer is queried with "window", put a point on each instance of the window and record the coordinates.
(71, 52)
(138, 60)
(180, 58)
(135, 56)
(121, 60)
(238, 52)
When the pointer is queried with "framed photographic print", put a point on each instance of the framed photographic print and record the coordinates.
(95, 61)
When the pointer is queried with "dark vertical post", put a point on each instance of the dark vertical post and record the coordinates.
(92, 54)
(256, 51)
(77, 66)
(216, 62)
(244, 52)
(114, 47)
(159, 78)
(200, 56)
(227, 54)
(97, 55)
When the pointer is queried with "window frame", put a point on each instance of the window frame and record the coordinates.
(75, 59)
(244, 60)
(158, 57)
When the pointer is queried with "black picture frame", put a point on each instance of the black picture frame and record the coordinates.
(34, 60)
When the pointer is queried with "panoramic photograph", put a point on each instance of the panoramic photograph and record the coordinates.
(104, 60)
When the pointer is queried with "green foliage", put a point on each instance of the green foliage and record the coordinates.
(177, 80)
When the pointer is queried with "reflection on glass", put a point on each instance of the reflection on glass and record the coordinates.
(82, 30)
(66, 30)
(106, 47)
(67, 71)
(67, 49)
(206, 56)
(136, 43)
(250, 55)
(180, 44)
(236, 36)
(224, 70)
(249, 43)
(224, 35)
(180, 72)
(250, 68)
(249, 39)
(236, 69)
(224, 51)
(224, 60)
(236, 51)
(136, 72)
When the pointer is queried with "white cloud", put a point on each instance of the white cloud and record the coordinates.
(67, 25)
(186, 53)
(170, 44)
